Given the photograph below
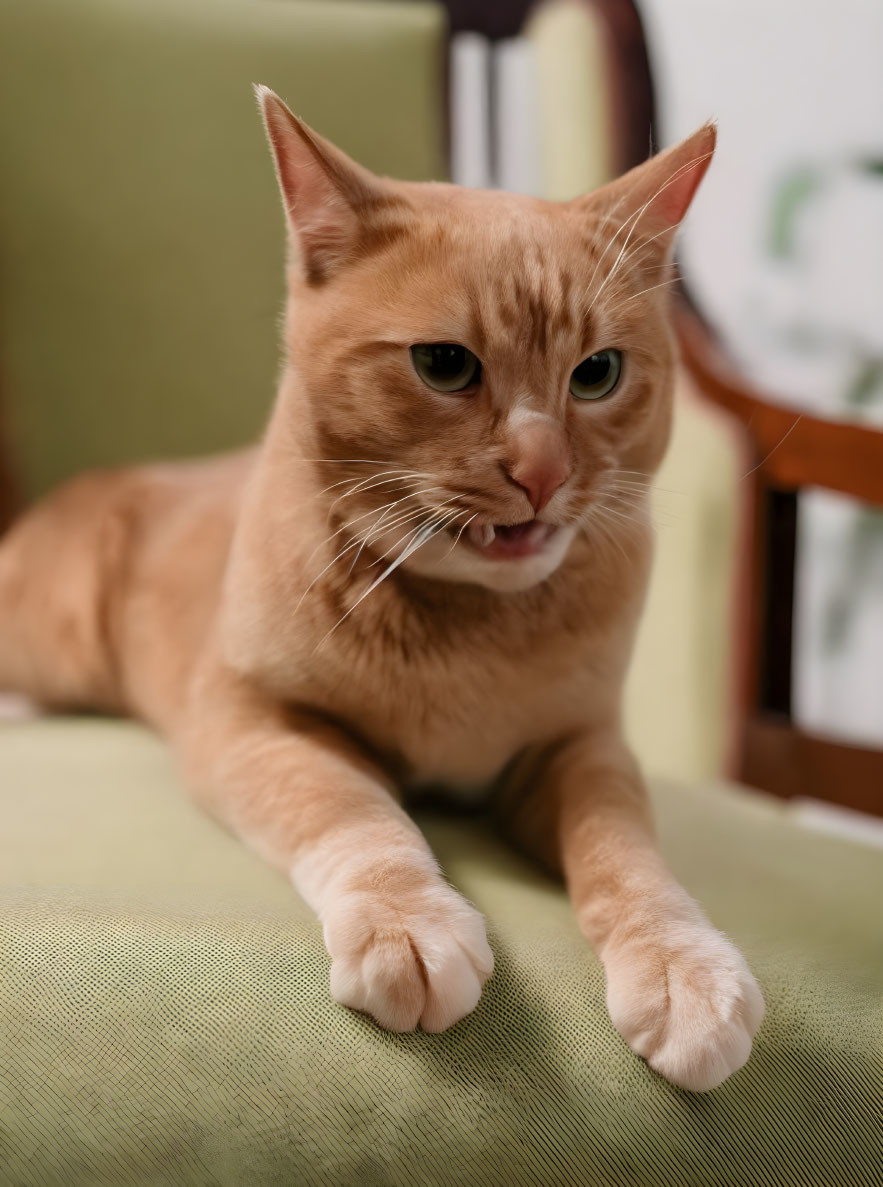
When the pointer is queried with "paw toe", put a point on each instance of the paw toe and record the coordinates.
(406, 969)
(691, 1013)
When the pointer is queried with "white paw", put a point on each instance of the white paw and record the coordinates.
(420, 958)
(686, 1001)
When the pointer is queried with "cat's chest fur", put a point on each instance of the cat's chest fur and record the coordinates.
(446, 683)
(453, 712)
(459, 729)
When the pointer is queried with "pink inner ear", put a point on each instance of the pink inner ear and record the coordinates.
(678, 185)
(301, 179)
(320, 217)
(673, 201)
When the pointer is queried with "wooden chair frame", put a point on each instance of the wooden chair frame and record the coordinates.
(790, 451)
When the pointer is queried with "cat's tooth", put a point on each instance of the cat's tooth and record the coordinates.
(482, 534)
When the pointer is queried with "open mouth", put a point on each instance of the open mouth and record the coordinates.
(509, 541)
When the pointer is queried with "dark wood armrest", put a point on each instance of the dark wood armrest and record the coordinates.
(793, 449)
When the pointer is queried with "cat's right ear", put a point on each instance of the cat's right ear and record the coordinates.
(328, 198)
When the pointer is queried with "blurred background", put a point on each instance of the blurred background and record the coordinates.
(141, 280)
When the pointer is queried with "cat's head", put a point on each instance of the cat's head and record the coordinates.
(482, 375)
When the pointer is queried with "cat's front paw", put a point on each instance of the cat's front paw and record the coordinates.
(686, 1001)
(409, 960)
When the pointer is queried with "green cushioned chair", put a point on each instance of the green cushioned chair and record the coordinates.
(165, 1015)
(164, 1010)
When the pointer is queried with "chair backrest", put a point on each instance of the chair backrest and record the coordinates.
(141, 237)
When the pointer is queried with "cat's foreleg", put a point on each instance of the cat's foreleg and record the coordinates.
(405, 947)
(678, 991)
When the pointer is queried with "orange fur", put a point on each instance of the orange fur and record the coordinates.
(233, 603)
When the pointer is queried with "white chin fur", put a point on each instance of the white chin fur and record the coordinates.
(439, 560)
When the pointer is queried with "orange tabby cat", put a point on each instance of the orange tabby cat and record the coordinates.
(429, 573)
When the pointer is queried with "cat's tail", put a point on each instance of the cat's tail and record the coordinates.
(53, 600)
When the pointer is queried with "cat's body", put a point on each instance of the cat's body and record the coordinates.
(237, 604)
(133, 615)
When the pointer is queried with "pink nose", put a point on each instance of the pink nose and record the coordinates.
(541, 464)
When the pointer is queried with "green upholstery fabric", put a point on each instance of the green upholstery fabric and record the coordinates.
(165, 1016)
(141, 235)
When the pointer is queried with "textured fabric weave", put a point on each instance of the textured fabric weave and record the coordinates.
(165, 1016)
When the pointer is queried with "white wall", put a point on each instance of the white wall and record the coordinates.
(794, 84)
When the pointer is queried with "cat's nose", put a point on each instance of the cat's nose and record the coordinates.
(540, 463)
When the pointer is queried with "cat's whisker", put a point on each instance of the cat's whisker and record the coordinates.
(404, 483)
(372, 511)
(407, 515)
(459, 534)
(645, 243)
(403, 517)
(422, 535)
(658, 516)
(630, 519)
(663, 284)
(646, 495)
(351, 522)
(654, 515)
(385, 477)
(424, 532)
(352, 544)
(345, 461)
(634, 218)
(625, 258)
(781, 441)
(391, 475)
(375, 528)
(351, 482)
(639, 480)
(621, 478)
(596, 522)
(633, 492)
(421, 514)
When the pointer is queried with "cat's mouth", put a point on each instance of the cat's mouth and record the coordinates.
(509, 541)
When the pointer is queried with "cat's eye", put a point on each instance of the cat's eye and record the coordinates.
(597, 375)
(445, 366)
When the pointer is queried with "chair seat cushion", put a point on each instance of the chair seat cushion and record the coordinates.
(165, 1015)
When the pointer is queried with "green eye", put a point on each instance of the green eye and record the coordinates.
(445, 366)
(597, 375)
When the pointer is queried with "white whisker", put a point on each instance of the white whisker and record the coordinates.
(781, 441)
(599, 524)
(353, 481)
(650, 289)
(423, 535)
(459, 534)
(418, 513)
(382, 480)
(634, 218)
(394, 546)
(353, 544)
(356, 519)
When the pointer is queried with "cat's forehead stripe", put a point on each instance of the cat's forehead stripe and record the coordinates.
(536, 305)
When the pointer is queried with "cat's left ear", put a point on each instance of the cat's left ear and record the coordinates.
(331, 203)
(651, 200)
